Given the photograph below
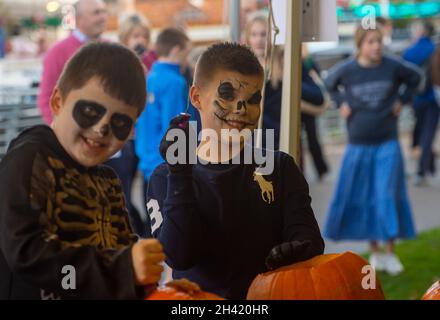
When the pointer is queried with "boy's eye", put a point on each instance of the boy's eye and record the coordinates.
(226, 91)
(88, 113)
(121, 125)
(256, 98)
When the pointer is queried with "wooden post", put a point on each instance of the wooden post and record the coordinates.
(290, 134)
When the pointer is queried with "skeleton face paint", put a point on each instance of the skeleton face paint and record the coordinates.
(91, 124)
(235, 96)
(89, 113)
(256, 98)
(226, 91)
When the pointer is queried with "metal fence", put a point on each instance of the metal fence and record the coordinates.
(18, 110)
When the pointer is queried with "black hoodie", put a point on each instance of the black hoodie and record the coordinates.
(56, 213)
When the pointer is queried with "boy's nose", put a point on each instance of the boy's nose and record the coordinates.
(241, 107)
(104, 130)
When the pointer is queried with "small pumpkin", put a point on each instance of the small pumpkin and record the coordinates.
(325, 277)
(433, 293)
(169, 293)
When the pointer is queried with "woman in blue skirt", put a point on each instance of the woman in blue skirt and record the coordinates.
(371, 201)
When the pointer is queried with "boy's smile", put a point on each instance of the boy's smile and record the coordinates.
(90, 124)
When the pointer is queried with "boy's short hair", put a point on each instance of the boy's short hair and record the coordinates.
(168, 39)
(120, 71)
(226, 56)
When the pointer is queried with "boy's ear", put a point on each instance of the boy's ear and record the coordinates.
(174, 52)
(56, 101)
(194, 95)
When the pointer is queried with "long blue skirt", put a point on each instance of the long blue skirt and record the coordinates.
(371, 200)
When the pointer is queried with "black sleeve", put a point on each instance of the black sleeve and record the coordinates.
(38, 259)
(409, 75)
(310, 91)
(299, 220)
(174, 217)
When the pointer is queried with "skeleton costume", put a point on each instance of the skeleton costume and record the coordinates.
(219, 223)
(56, 213)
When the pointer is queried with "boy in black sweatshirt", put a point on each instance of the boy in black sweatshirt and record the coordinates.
(64, 229)
(221, 223)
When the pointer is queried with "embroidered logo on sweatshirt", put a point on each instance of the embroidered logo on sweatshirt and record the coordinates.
(266, 187)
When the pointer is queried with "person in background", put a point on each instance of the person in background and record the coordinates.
(91, 22)
(370, 200)
(167, 95)
(135, 33)
(312, 95)
(425, 105)
(387, 27)
(435, 74)
(2, 39)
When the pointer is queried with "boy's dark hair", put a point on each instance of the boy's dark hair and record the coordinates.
(226, 56)
(168, 39)
(119, 69)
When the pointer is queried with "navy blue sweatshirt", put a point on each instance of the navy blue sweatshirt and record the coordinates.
(371, 93)
(218, 225)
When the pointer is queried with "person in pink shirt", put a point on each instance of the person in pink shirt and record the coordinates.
(91, 22)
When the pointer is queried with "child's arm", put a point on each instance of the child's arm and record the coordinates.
(301, 235)
(333, 82)
(34, 253)
(310, 91)
(147, 139)
(173, 213)
(410, 76)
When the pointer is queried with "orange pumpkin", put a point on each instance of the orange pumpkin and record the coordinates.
(433, 293)
(325, 277)
(168, 293)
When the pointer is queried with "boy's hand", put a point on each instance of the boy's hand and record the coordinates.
(180, 122)
(397, 108)
(287, 253)
(345, 110)
(147, 256)
(184, 285)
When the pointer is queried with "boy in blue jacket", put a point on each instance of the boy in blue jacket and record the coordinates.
(167, 95)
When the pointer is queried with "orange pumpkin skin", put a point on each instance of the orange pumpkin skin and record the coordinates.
(167, 293)
(325, 277)
(433, 293)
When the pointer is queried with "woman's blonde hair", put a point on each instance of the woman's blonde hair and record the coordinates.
(361, 33)
(128, 23)
(257, 17)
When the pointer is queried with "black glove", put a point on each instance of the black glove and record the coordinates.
(288, 253)
(180, 122)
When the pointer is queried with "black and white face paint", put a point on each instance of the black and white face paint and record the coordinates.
(89, 113)
(231, 97)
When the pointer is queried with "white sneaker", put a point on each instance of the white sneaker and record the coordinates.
(393, 266)
(377, 261)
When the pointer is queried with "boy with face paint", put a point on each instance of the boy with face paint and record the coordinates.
(61, 213)
(222, 223)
